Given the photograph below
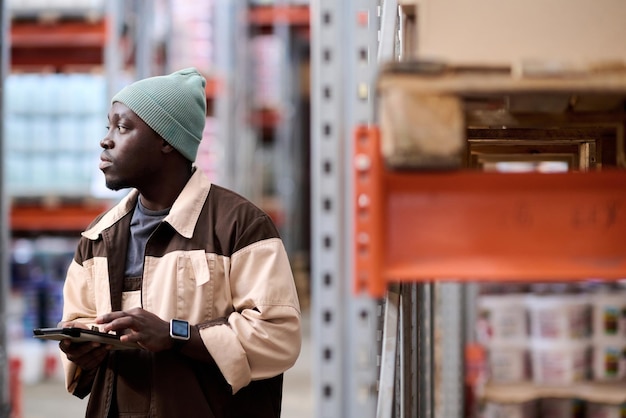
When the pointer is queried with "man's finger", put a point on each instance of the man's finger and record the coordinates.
(109, 317)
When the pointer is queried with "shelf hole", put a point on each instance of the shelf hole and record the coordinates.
(327, 92)
(327, 55)
(328, 241)
(363, 139)
(328, 317)
(326, 18)
(328, 167)
(327, 129)
(328, 279)
(363, 18)
(328, 391)
(328, 354)
(327, 205)
(363, 55)
(364, 314)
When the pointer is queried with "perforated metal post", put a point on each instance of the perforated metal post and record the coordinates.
(344, 43)
(328, 259)
(362, 24)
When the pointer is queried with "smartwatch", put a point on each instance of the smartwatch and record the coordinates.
(179, 329)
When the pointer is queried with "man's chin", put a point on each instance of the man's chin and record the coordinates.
(116, 186)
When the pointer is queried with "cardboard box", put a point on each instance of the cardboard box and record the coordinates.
(552, 33)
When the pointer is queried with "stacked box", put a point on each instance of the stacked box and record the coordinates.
(54, 124)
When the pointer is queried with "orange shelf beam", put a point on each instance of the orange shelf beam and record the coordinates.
(269, 15)
(478, 226)
(60, 218)
(64, 33)
(212, 88)
(265, 118)
(59, 43)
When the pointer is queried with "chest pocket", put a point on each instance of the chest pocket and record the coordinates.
(194, 301)
(200, 266)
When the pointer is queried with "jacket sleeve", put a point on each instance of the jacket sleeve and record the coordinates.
(262, 337)
(78, 305)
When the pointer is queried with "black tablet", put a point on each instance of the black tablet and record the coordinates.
(81, 335)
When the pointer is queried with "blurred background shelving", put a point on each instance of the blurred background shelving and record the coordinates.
(68, 57)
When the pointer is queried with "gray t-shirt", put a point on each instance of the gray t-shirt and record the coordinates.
(142, 225)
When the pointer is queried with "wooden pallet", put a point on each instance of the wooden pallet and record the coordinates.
(421, 215)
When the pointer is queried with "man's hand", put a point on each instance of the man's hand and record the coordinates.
(139, 326)
(87, 355)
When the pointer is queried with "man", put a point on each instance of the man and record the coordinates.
(193, 273)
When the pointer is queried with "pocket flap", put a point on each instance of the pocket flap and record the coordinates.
(200, 266)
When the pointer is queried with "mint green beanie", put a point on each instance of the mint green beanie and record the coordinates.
(173, 105)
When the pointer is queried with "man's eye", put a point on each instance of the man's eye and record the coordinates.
(121, 128)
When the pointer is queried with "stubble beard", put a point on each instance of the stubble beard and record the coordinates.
(116, 185)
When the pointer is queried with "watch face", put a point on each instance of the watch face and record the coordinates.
(180, 328)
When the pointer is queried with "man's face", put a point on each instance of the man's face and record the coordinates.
(132, 150)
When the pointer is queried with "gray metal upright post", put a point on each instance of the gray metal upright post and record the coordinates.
(425, 354)
(245, 172)
(285, 159)
(224, 103)
(231, 103)
(112, 58)
(223, 67)
(144, 53)
(5, 405)
(448, 321)
(344, 325)
(328, 202)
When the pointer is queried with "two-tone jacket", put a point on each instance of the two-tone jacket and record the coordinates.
(217, 261)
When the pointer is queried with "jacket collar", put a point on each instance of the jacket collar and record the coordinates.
(182, 217)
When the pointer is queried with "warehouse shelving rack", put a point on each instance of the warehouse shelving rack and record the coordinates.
(350, 330)
(344, 325)
(456, 227)
(261, 126)
(45, 39)
(421, 239)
